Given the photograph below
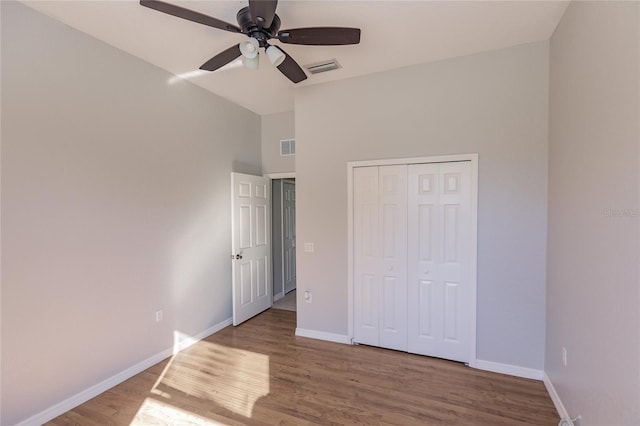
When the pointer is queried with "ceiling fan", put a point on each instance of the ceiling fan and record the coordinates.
(259, 22)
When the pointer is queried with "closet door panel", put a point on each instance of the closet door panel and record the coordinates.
(439, 220)
(367, 254)
(455, 222)
(393, 263)
(425, 296)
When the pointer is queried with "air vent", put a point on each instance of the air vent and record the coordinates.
(324, 66)
(287, 147)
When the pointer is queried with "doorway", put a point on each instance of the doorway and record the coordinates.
(284, 243)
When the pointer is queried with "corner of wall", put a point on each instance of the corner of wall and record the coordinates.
(555, 398)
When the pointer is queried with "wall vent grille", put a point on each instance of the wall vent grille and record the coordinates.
(323, 66)
(287, 147)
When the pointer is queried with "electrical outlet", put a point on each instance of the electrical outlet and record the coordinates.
(159, 315)
(308, 297)
(564, 356)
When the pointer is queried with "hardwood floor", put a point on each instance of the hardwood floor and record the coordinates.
(260, 373)
(288, 302)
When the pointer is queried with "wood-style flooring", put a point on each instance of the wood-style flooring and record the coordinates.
(288, 302)
(260, 373)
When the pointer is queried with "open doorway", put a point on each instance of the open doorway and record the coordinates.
(284, 243)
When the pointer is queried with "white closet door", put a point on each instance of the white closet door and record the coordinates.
(439, 220)
(393, 265)
(412, 258)
(380, 221)
(366, 247)
(424, 294)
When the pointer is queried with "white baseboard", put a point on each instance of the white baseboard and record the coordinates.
(562, 411)
(95, 390)
(512, 370)
(185, 342)
(322, 335)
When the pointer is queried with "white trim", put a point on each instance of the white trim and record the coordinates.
(281, 254)
(95, 390)
(414, 160)
(512, 370)
(190, 340)
(473, 158)
(560, 408)
(323, 335)
(283, 175)
(350, 245)
(474, 260)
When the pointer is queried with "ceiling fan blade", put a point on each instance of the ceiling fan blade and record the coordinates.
(222, 58)
(291, 69)
(189, 15)
(263, 11)
(320, 36)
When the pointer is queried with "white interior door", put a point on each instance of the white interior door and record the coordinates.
(439, 259)
(251, 245)
(289, 234)
(380, 221)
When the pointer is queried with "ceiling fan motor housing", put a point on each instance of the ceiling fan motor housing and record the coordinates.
(250, 27)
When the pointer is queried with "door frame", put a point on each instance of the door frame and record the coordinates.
(272, 177)
(473, 158)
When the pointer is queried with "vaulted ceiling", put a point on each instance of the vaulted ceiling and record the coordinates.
(394, 34)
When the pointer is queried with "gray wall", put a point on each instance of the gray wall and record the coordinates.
(276, 127)
(594, 223)
(494, 104)
(115, 203)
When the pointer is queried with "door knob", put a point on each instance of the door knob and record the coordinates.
(238, 256)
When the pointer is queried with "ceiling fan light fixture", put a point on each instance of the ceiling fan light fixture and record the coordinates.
(261, 23)
(251, 63)
(249, 48)
(275, 55)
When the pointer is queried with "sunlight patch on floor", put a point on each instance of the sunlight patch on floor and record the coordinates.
(153, 412)
(235, 379)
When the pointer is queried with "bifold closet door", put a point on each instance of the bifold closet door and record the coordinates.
(439, 220)
(412, 257)
(380, 256)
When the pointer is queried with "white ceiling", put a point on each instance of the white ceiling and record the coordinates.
(394, 34)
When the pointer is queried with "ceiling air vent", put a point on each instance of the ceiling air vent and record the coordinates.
(287, 147)
(323, 66)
